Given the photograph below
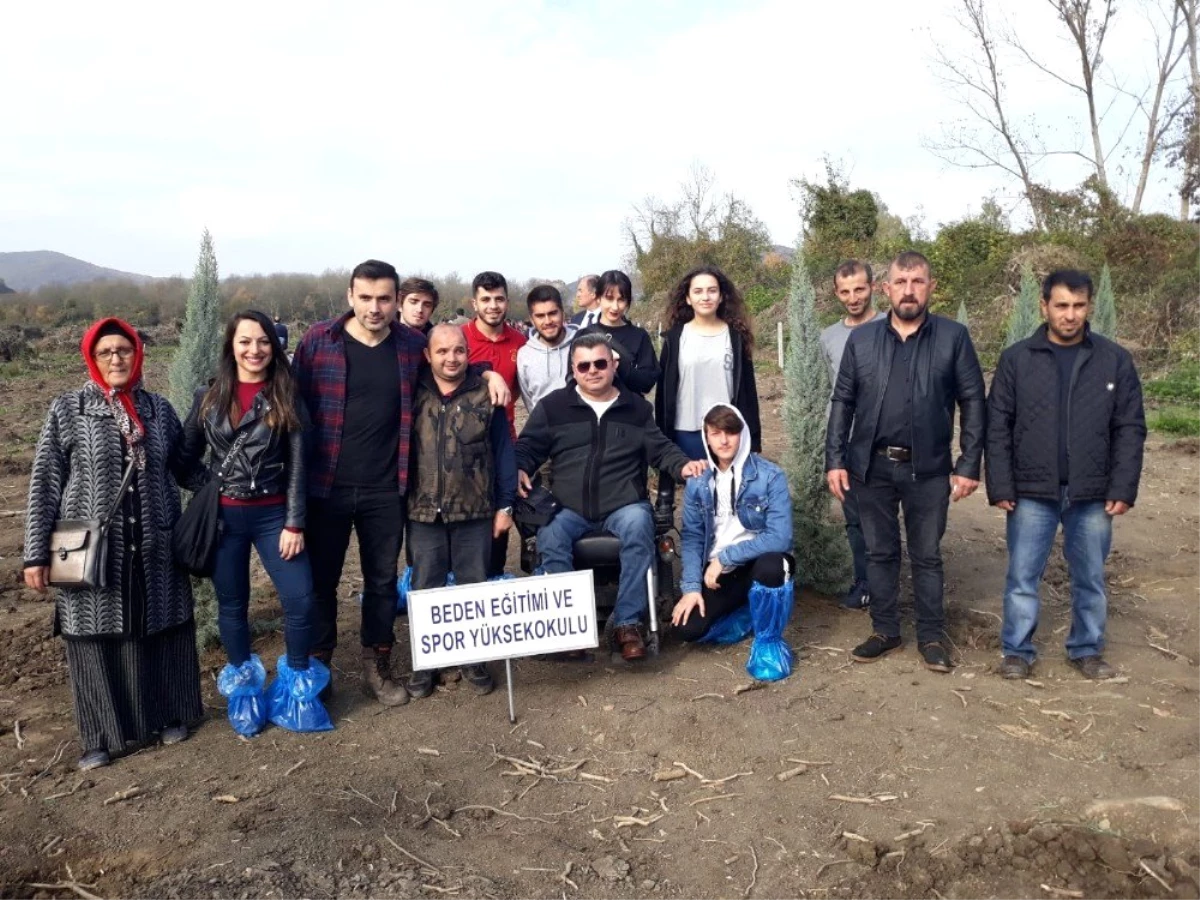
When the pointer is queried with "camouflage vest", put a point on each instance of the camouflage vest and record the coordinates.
(453, 470)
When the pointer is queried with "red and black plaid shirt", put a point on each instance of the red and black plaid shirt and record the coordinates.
(320, 369)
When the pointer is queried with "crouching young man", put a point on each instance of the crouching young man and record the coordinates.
(737, 530)
(464, 480)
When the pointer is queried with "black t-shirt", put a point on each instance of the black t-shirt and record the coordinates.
(895, 417)
(371, 427)
(1065, 356)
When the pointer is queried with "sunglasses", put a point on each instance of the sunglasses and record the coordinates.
(586, 365)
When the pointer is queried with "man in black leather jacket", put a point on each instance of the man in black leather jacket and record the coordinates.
(898, 384)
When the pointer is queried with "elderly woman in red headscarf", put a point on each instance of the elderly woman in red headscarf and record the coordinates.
(131, 644)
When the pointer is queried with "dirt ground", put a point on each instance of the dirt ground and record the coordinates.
(844, 780)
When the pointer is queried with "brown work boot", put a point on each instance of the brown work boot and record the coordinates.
(377, 677)
(633, 647)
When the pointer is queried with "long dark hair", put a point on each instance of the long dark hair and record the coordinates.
(280, 386)
(732, 308)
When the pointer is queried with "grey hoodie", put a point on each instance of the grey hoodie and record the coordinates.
(542, 368)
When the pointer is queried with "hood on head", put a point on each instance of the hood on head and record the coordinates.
(108, 326)
(743, 451)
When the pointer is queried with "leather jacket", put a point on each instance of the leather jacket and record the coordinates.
(945, 372)
(266, 464)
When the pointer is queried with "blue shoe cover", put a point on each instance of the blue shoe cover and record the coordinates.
(292, 700)
(730, 628)
(770, 608)
(403, 586)
(243, 687)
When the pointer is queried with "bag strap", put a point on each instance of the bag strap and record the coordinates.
(233, 448)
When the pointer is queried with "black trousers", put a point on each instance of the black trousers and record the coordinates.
(377, 517)
(890, 487)
(439, 549)
(497, 553)
(733, 589)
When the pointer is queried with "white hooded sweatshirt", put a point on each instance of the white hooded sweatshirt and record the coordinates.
(727, 527)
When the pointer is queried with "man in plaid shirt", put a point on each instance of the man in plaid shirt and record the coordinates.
(356, 375)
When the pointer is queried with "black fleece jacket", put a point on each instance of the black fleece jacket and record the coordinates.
(597, 466)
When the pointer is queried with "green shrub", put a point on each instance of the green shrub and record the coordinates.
(1181, 384)
(1179, 421)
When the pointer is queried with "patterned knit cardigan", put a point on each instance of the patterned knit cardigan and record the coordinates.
(77, 470)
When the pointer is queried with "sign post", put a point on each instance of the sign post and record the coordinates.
(477, 623)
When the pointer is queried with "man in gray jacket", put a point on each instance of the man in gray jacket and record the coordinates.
(852, 285)
(543, 363)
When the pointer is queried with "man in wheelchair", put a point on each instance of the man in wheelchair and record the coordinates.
(599, 438)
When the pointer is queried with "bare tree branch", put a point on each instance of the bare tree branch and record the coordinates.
(981, 83)
(1168, 55)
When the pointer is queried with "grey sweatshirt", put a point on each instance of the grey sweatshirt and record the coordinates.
(542, 368)
(833, 342)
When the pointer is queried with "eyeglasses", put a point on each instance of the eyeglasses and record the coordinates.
(585, 365)
(107, 355)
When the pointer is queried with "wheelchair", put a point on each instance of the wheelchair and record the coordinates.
(601, 552)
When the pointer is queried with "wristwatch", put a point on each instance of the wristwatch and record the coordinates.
(505, 511)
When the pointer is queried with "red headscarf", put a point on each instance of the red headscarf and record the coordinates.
(114, 325)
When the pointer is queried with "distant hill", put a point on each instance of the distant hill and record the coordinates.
(28, 270)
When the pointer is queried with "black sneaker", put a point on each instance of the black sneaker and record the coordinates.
(479, 678)
(420, 684)
(1014, 667)
(875, 648)
(1094, 667)
(934, 657)
(858, 597)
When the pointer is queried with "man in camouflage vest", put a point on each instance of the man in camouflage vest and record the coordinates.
(463, 480)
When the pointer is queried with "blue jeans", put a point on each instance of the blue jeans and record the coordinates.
(261, 526)
(633, 524)
(692, 444)
(1087, 537)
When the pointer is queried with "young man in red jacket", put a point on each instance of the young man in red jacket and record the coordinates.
(492, 340)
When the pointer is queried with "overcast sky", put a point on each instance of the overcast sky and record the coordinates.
(464, 136)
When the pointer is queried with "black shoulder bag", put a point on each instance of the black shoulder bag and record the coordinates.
(195, 536)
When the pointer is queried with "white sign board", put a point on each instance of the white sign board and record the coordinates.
(472, 623)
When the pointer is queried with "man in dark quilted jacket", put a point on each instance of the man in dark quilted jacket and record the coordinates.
(1064, 448)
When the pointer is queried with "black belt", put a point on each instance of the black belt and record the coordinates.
(895, 454)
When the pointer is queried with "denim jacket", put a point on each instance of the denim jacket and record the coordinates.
(763, 506)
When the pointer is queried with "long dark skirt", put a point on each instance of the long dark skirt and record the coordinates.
(128, 690)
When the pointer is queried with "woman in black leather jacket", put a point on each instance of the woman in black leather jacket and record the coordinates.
(250, 420)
